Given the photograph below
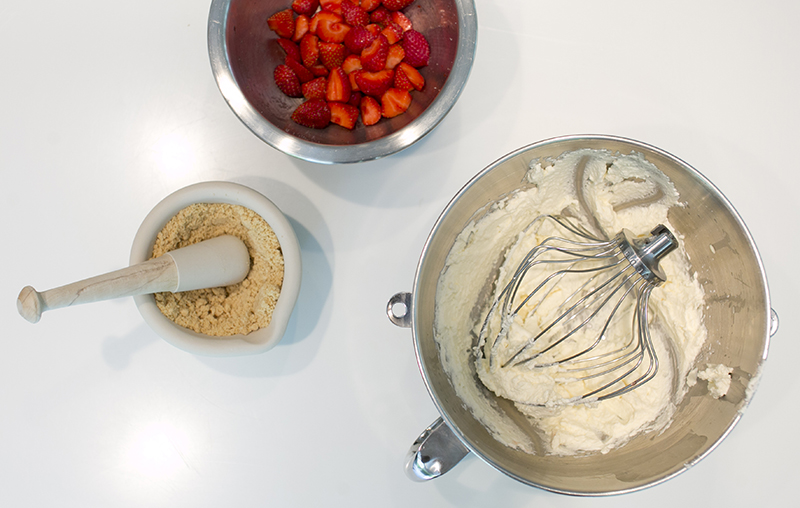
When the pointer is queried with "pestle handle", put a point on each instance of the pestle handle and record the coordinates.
(220, 261)
(159, 274)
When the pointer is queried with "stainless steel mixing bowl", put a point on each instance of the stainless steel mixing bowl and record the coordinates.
(244, 53)
(738, 316)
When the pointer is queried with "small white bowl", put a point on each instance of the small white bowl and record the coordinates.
(255, 342)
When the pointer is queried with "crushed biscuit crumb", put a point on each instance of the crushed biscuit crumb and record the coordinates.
(237, 309)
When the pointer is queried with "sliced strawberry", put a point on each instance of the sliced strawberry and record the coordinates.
(351, 63)
(373, 57)
(392, 32)
(343, 114)
(319, 70)
(418, 52)
(357, 39)
(370, 110)
(334, 32)
(292, 50)
(302, 72)
(287, 81)
(370, 5)
(282, 23)
(401, 81)
(353, 83)
(354, 15)
(395, 56)
(317, 88)
(314, 113)
(306, 7)
(355, 98)
(413, 75)
(402, 20)
(394, 102)
(374, 29)
(334, 6)
(374, 83)
(331, 54)
(326, 17)
(380, 15)
(396, 5)
(338, 86)
(309, 49)
(300, 27)
(329, 26)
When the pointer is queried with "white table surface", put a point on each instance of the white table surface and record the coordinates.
(107, 107)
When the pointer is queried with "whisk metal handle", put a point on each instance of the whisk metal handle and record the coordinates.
(644, 254)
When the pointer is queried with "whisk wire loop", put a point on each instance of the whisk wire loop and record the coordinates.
(620, 275)
(577, 306)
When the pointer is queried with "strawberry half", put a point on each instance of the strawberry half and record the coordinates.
(282, 23)
(396, 5)
(392, 32)
(353, 14)
(402, 20)
(373, 57)
(373, 83)
(316, 88)
(291, 49)
(319, 70)
(380, 15)
(343, 114)
(395, 56)
(314, 113)
(374, 29)
(357, 39)
(309, 50)
(331, 54)
(331, 5)
(287, 81)
(418, 52)
(329, 26)
(355, 98)
(370, 110)
(338, 86)
(306, 7)
(300, 27)
(401, 81)
(413, 76)
(303, 74)
(370, 5)
(351, 63)
(394, 102)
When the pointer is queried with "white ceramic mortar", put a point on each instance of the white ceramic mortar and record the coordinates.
(255, 342)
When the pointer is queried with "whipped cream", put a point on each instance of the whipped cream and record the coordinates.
(718, 377)
(612, 192)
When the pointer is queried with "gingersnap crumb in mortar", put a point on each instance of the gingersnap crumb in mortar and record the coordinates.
(224, 311)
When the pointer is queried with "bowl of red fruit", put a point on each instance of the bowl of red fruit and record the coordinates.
(341, 81)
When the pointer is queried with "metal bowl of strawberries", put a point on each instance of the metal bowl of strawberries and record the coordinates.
(341, 81)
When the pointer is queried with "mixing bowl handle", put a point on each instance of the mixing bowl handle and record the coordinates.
(401, 302)
(774, 322)
(436, 451)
